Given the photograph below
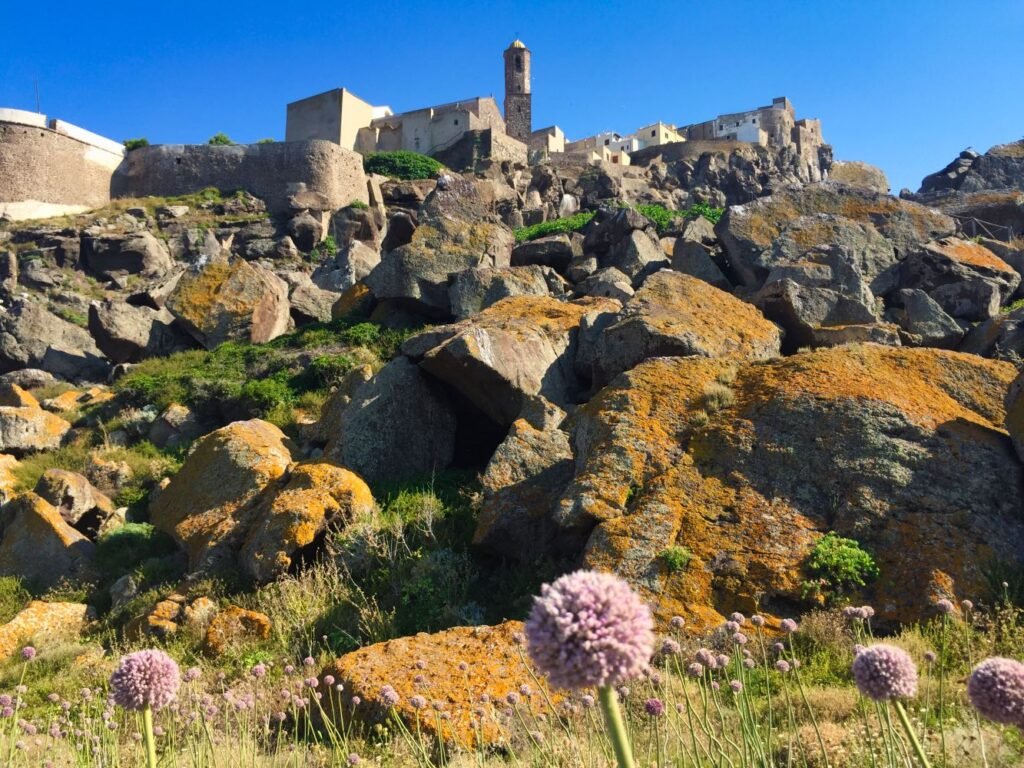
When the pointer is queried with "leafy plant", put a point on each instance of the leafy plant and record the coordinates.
(267, 141)
(402, 165)
(13, 597)
(327, 248)
(130, 144)
(124, 548)
(359, 205)
(838, 566)
(554, 226)
(663, 217)
(676, 558)
(220, 140)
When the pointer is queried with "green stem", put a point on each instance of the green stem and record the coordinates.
(147, 732)
(616, 728)
(914, 741)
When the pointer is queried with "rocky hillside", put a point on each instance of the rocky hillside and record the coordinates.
(589, 365)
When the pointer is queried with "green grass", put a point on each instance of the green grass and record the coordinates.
(663, 217)
(402, 165)
(13, 597)
(554, 226)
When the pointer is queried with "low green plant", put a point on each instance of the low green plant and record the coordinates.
(838, 566)
(325, 249)
(123, 549)
(130, 144)
(359, 205)
(220, 139)
(402, 164)
(717, 396)
(554, 226)
(675, 558)
(663, 217)
(13, 597)
(267, 141)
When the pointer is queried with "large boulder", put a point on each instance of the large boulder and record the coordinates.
(40, 622)
(206, 506)
(966, 279)
(1001, 337)
(476, 289)
(901, 449)
(456, 232)
(749, 232)
(399, 423)
(139, 253)
(127, 334)
(857, 174)
(678, 315)
(517, 348)
(555, 251)
(1002, 167)
(456, 668)
(316, 494)
(33, 337)
(230, 300)
(924, 322)
(27, 429)
(40, 547)
(83, 506)
(347, 267)
(523, 481)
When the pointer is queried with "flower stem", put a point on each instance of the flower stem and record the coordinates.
(147, 732)
(914, 741)
(616, 728)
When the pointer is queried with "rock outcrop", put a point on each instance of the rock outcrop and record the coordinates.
(50, 623)
(38, 546)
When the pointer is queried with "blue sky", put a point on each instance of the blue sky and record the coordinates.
(902, 84)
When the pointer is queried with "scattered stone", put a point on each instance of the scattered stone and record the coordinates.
(138, 253)
(858, 174)
(24, 430)
(128, 334)
(175, 427)
(41, 622)
(84, 507)
(923, 320)
(609, 283)
(555, 251)
(39, 547)
(233, 628)
(33, 337)
(14, 396)
(476, 289)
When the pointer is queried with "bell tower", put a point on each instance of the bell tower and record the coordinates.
(518, 101)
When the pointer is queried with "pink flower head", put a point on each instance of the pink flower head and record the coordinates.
(589, 629)
(146, 679)
(945, 606)
(389, 696)
(28, 653)
(654, 707)
(736, 686)
(789, 626)
(996, 689)
(417, 702)
(885, 672)
(782, 665)
(738, 617)
(670, 647)
(757, 620)
(677, 622)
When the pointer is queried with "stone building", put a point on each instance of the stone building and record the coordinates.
(518, 98)
(432, 129)
(774, 125)
(336, 116)
(657, 134)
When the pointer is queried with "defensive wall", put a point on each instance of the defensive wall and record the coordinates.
(50, 167)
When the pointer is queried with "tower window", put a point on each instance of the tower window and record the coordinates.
(519, 63)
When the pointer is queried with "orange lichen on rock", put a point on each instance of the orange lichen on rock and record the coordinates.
(234, 627)
(971, 253)
(42, 622)
(901, 449)
(428, 665)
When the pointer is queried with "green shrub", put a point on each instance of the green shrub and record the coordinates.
(262, 396)
(125, 548)
(838, 566)
(220, 139)
(402, 165)
(675, 558)
(326, 371)
(359, 205)
(663, 217)
(326, 248)
(554, 226)
(13, 597)
(267, 141)
(131, 144)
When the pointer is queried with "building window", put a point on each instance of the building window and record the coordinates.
(606, 141)
(519, 63)
(654, 133)
(456, 121)
(754, 120)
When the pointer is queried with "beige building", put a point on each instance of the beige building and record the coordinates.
(431, 129)
(775, 124)
(550, 139)
(336, 116)
(657, 134)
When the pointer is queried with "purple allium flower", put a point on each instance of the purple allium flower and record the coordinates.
(328, 680)
(353, 759)
(587, 701)
(757, 620)
(28, 653)
(654, 707)
(858, 649)
(417, 702)
(850, 612)
(723, 661)
(732, 626)
(778, 647)
(289, 669)
(192, 673)
(623, 691)
(736, 686)
(356, 701)
(696, 669)
(145, 678)
(589, 629)
(866, 611)
(930, 656)
(749, 663)
(259, 670)
(421, 664)
(309, 661)
(782, 665)
(677, 622)
(966, 606)
(739, 638)
(512, 698)
(884, 672)
(419, 679)
(789, 625)
(6, 700)
(706, 658)
(525, 690)
(53, 698)
(463, 666)
(714, 685)
(996, 689)
(945, 606)
(389, 695)
(670, 648)
(738, 617)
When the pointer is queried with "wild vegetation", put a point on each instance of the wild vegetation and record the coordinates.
(402, 164)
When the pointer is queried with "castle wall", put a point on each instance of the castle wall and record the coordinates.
(274, 172)
(50, 171)
(332, 116)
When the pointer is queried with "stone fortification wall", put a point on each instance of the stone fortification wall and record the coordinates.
(291, 174)
(52, 168)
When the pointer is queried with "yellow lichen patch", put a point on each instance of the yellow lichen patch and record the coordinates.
(316, 493)
(972, 254)
(431, 666)
(15, 396)
(863, 439)
(531, 313)
(1014, 149)
(235, 627)
(43, 623)
(356, 299)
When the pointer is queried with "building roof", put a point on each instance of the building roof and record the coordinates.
(517, 43)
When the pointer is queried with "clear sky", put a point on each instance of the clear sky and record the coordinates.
(903, 84)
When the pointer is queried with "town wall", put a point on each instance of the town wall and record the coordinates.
(274, 172)
(50, 169)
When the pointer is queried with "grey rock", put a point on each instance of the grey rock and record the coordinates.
(116, 255)
(609, 282)
(924, 320)
(33, 337)
(128, 334)
(476, 289)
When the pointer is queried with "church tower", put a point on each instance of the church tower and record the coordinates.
(518, 104)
